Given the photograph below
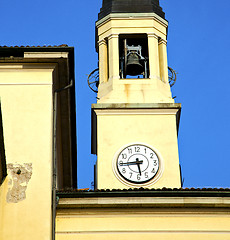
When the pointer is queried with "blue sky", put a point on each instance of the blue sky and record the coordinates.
(198, 49)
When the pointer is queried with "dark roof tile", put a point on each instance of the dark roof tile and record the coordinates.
(44, 46)
(145, 192)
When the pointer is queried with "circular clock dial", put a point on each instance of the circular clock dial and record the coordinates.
(137, 164)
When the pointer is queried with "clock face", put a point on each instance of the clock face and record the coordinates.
(137, 164)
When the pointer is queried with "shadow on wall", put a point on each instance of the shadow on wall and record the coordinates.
(3, 170)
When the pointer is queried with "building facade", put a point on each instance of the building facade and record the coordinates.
(135, 124)
(38, 137)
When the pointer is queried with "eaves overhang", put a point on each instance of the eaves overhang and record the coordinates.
(18, 51)
(174, 198)
(144, 192)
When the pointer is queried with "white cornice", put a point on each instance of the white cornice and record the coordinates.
(157, 202)
(136, 111)
(130, 16)
(136, 105)
(137, 108)
(46, 55)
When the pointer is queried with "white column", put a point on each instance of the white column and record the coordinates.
(163, 60)
(154, 70)
(113, 43)
(103, 61)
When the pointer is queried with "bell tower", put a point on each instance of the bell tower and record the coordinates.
(135, 120)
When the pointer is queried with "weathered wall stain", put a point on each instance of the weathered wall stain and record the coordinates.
(20, 175)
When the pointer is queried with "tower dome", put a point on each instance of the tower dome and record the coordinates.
(130, 6)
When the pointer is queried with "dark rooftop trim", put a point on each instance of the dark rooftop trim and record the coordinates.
(18, 51)
(44, 46)
(142, 192)
(130, 6)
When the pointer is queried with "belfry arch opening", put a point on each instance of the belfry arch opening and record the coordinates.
(133, 56)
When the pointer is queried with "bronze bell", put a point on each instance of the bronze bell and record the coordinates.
(134, 67)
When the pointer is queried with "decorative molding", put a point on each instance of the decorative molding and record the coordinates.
(154, 77)
(142, 232)
(113, 36)
(136, 106)
(46, 54)
(27, 66)
(26, 84)
(102, 42)
(163, 41)
(136, 111)
(154, 35)
(131, 15)
(187, 202)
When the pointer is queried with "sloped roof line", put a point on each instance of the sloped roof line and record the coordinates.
(44, 46)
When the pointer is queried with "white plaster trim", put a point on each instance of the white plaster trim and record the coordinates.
(154, 35)
(26, 84)
(101, 112)
(132, 15)
(11, 66)
(46, 55)
(155, 77)
(113, 35)
(102, 42)
(144, 232)
(191, 202)
(27, 67)
(163, 41)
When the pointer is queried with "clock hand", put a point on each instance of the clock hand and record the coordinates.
(138, 165)
(131, 163)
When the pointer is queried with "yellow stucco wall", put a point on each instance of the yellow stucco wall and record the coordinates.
(129, 222)
(27, 111)
(117, 128)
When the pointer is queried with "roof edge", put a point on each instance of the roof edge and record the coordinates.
(146, 193)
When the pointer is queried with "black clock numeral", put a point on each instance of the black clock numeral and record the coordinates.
(137, 163)
(130, 150)
(137, 149)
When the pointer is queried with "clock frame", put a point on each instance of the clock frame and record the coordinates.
(137, 165)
